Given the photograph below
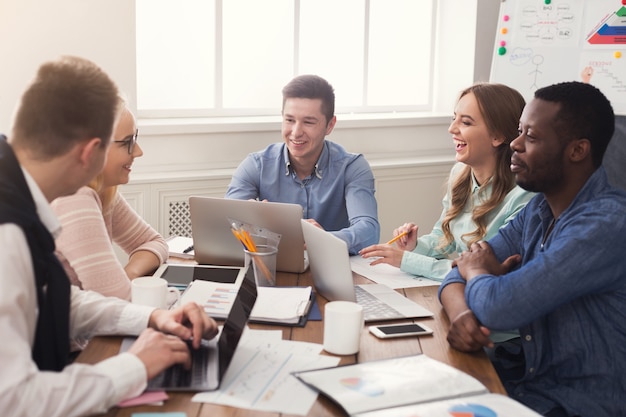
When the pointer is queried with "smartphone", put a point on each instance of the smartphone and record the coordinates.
(399, 330)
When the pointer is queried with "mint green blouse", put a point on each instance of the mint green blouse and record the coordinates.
(430, 261)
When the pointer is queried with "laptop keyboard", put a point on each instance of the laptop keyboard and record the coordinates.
(177, 376)
(373, 308)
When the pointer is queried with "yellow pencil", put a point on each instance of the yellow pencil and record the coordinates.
(244, 237)
(397, 237)
(249, 241)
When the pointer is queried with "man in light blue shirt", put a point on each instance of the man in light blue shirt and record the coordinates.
(334, 187)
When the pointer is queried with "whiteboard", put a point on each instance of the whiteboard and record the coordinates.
(541, 42)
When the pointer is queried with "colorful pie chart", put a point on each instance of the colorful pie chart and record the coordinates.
(365, 387)
(471, 410)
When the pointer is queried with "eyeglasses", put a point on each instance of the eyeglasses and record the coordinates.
(130, 142)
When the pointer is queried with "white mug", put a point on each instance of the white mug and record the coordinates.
(343, 323)
(153, 292)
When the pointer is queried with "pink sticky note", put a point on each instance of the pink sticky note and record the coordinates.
(145, 398)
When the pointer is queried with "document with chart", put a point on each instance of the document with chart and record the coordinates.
(261, 374)
(399, 386)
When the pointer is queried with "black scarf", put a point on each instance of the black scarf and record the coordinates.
(51, 347)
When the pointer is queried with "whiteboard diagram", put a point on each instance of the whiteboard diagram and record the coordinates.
(545, 42)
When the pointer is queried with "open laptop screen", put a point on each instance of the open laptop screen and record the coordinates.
(215, 244)
(236, 322)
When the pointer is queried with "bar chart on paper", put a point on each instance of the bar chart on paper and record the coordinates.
(219, 301)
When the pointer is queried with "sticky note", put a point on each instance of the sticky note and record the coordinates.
(164, 414)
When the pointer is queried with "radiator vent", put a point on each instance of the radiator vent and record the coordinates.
(180, 220)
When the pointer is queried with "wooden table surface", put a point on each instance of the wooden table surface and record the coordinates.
(372, 348)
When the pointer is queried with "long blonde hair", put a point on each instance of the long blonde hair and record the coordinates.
(107, 194)
(501, 108)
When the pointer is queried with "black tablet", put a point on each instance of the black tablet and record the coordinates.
(181, 275)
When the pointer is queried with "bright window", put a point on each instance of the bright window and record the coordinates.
(232, 57)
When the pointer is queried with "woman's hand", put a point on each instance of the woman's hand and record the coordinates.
(385, 253)
(409, 241)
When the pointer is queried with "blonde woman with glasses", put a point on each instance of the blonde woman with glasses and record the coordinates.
(97, 216)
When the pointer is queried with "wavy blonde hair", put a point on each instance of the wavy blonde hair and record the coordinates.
(501, 108)
(107, 194)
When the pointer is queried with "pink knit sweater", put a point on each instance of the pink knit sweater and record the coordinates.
(85, 244)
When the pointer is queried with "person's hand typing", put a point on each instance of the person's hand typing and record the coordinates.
(158, 351)
(187, 322)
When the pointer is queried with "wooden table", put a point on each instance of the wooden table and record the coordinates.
(372, 348)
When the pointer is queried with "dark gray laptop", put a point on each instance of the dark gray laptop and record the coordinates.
(215, 244)
(332, 277)
(210, 362)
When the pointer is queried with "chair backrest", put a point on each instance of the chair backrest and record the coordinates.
(615, 156)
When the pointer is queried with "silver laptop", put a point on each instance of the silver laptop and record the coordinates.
(210, 362)
(215, 244)
(332, 277)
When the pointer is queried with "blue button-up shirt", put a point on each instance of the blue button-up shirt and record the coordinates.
(339, 194)
(568, 300)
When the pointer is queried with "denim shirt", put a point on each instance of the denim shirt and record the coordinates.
(568, 300)
(339, 194)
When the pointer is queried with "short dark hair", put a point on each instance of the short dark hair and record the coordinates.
(584, 113)
(71, 99)
(313, 87)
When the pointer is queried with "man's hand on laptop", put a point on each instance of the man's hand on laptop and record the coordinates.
(158, 351)
(188, 322)
(314, 223)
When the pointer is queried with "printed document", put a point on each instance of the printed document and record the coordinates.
(260, 375)
(386, 274)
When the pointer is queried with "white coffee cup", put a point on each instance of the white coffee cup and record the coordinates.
(343, 323)
(153, 292)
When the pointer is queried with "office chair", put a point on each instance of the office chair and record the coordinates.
(615, 156)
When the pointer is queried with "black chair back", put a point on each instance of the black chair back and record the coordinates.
(615, 157)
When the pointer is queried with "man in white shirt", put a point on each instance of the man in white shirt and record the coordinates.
(59, 141)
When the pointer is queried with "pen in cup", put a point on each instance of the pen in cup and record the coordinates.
(397, 237)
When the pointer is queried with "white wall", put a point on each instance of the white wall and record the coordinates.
(410, 155)
(33, 31)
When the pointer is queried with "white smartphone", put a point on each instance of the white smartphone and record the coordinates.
(399, 330)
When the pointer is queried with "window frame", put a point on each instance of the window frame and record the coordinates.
(258, 114)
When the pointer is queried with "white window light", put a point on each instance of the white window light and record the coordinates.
(232, 57)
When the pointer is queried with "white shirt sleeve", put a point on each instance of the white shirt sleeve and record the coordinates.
(79, 389)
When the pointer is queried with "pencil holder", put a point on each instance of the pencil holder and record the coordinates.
(264, 264)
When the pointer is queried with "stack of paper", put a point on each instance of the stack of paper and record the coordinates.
(180, 247)
(284, 305)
